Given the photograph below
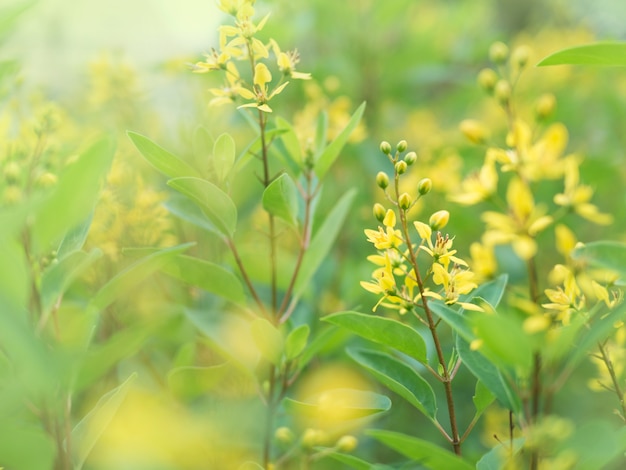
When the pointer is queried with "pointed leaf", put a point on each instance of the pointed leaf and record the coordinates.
(602, 53)
(209, 276)
(323, 241)
(86, 433)
(426, 453)
(382, 330)
(187, 210)
(355, 462)
(290, 141)
(458, 322)
(482, 398)
(296, 341)
(321, 131)
(497, 457)
(398, 377)
(192, 382)
(328, 156)
(491, 291)
(75, 238)
(165, 162)
(223, 155)
(488, 374)
(268, 339)
(127, 279)
(280, 198)
(56, 279)
(73, 198)
(343, 403)
(215, 203)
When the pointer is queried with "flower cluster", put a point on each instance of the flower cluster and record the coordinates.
(527, 159)
(239, 43)
(401, 279)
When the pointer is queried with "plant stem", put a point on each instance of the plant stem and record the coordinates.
(536, 386)
(269, 419)
(446, 378)
(618, 390)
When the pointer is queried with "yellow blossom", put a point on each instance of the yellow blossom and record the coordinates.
(478, 186)
(388, 237)
(456, 282)
(287, 62)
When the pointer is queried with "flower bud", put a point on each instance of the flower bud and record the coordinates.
(284, 435)
(312, 437)
(545, 106)
(410, 158)
(11, 172)
(439, 220)
(424, 186)
(498, 53)
(382, 180)
(347, 443)
(402, 146)
(11, 195)
(487, 79)
(404, 201)
(379, 212)
(520, 56)
(385, 147)
(474, 131)
(401, 167)
(46, 180)
(502, 91)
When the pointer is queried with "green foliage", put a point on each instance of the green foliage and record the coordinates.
(608, 53)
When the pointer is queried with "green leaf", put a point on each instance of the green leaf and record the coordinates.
(56, 279)
(209, 276)
(296, 341)
(491, 291)
(425, 453)
(162, 160)
(86, 433)
(223, 156)
(342, 403)
(488, 374)
(10, 14)
(603, 254)
(215, 203)
(191, 382)
(268, 339)
(504, 340)
(75, 238)
(321, 131)
(323, 241)
(398, 377)
(126, 280)
(355, 462)
(14, 274)
(497, 457)
(384, 331)
(458, 322)
(280, 198)
(601, 53)
(188, 211)
(482, 398)
(25, 446)
(74, 196)
(328, 156)
(290, 141)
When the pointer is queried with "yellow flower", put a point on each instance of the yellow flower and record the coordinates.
(388, 237)
(287, 62)
(483, 262)
(384, 282)
(577, 196)
(262, 76)
(521, 225)
(455, 283)
(440, 251)
(478, 186)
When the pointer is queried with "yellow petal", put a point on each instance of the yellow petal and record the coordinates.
(262, 75)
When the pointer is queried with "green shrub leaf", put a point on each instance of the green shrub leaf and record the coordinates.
(280, 198)
(165, 162)
(602, 53)
(223, 156)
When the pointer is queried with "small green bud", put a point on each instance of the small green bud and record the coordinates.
(410, 158)
(520, 56)
(487, 79)
(379, 212)
(545, 106)
(402, 146)
(11, 195)
(424, 186)
(312, 437)
(46, 180)
(404, 201)
(382, 180)
(11, 172)
(439, 220)
(498, 53)
(284, 435)
(347, 443)
(502, 91)
(401, 167)
(385, 147)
